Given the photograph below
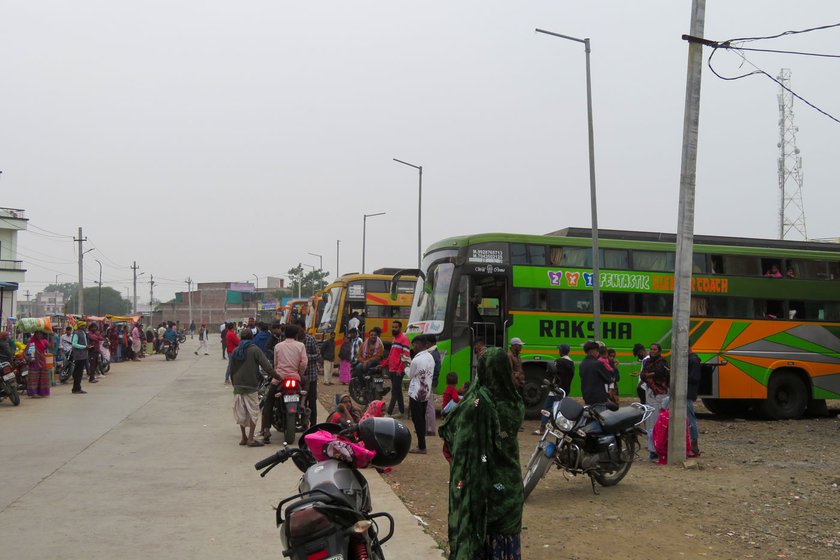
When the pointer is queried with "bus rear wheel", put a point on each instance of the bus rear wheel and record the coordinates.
(787, 396)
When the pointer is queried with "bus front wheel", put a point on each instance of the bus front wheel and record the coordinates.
(787, 396)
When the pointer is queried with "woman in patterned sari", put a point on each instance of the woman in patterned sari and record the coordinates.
(38, 380)
(485, 483)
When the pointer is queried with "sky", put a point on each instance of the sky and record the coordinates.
(220, 140)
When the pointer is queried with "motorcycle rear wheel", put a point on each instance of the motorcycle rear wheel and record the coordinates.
(66, 372)
(538, 466)
(289, 428)
(614, 477)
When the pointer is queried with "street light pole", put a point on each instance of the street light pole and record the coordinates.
(99, 291)
(596, 275)
(419, 169)
(364, 235)
(256, 281)
(321, 260)
(337, 256)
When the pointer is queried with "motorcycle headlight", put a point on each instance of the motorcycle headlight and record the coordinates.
(562, 422)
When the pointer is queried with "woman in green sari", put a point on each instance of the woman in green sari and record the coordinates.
(485, 482)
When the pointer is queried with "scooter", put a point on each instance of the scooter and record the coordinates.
(599, 441)
(330, 516)
(8, 384)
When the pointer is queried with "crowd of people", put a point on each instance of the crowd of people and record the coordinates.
(85, 346)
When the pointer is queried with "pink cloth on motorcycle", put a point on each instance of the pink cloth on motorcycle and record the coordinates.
(325, 445)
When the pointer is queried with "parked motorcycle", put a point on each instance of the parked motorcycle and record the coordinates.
(368, 387)
(330, 516)
(170, 350)
(288, 416)
(599, 441)
(8, 384)
(67, 365)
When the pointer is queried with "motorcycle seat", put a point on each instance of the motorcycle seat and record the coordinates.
(620, 420)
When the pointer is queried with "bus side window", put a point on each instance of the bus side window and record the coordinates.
(699, 306)
(462, 305)
(797, 311)
(717, 264)
(769, 309)
(615, 302)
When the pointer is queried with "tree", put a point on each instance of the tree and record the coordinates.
(309, 282)
(112, 302)
(66, 289)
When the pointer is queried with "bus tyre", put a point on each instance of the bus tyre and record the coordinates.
(787, 396)
(727, 407)
(533, 393)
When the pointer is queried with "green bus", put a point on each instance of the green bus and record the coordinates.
(765, 313)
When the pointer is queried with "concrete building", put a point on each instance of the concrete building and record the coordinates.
(216, 302)
(12, 273)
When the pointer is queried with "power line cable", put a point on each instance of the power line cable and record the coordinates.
(51, 232)
(785, 33)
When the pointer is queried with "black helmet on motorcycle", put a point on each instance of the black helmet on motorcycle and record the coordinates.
(389, 438)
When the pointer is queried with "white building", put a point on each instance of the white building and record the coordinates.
(12, 220)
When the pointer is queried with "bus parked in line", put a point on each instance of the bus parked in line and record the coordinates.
(369, 296)
(765, 314)
(293, 310)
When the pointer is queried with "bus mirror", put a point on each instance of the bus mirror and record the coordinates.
(405, 272)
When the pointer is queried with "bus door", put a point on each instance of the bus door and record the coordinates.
(487, 309)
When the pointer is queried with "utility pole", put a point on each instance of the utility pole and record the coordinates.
(337, 257)
(189, 296)
(685, 239)
(28, 309)
(151, 296)
(300, 278)
(791, 208)
(80, 307)
(134, 268)
(99, 290)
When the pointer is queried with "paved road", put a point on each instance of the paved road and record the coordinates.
(147, 464)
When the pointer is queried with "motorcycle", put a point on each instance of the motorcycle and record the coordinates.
(599, 441)
(288, 416)
(182, 336)
(330, 516)
(8, 384)
(368, 386)
(170, 350)
(67, 365)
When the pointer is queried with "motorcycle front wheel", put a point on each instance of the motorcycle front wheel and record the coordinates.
(66, 371)
(357, 391)
(12, 391)
(538, 466)
(613, 477)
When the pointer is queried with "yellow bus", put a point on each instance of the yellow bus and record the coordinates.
(369, 296)
(293, 310)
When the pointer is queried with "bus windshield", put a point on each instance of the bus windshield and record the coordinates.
(431, 296)
(331, 308)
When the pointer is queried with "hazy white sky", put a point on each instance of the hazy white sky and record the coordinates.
(220, 139)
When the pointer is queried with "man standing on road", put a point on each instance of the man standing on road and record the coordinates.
(328, 353)
(65, 342)
(516, 345)
(431, 425)
(594, 377)
(223, 333)
(397, 360)
(420, 388)
(656, 375)
(694, 374)
(313, 356)
(80, 357)
(354, 322)
(231, 342)
(192, 329)
(135, 343)
(246, 361)
(275, 336)
(564, 372)
(202, 339)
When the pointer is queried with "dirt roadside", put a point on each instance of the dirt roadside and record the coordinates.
(760, 490)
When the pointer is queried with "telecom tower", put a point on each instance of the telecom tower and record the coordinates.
(791, 209)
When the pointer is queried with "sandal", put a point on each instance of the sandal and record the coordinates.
(255, 443)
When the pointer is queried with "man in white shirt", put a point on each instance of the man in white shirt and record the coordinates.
(420, 374)
(65, 340)
(354, 322)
